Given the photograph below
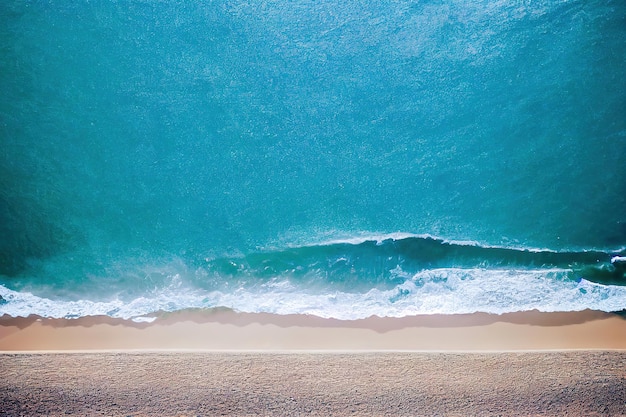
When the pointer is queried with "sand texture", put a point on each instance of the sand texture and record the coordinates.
(320, 384)
(205, 363)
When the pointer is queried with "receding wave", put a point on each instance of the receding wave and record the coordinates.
(391, 276)
(439, 291)
(374, 259)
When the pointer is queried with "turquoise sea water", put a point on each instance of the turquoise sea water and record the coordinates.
(334, 158)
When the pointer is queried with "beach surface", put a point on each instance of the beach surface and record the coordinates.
(224, 329)
(225, 363)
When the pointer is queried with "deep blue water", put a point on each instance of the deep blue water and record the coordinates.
(332, 158)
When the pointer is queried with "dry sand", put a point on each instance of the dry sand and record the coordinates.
(325, 384)
(519, 364)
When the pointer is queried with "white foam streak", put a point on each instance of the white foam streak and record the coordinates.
(438, 291)
(379, 238)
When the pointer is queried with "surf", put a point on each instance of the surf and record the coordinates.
(371, 259)
(384, 275)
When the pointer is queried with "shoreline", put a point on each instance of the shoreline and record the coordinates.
(221, 362)
(226, 330)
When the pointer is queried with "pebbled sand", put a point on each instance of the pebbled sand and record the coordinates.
(200, 363)
(320, 384)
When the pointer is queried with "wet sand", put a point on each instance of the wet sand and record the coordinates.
(227, 330)
(224, 363)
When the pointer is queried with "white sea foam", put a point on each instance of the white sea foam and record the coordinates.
(360, 238)
(370, 237)
(438, 291)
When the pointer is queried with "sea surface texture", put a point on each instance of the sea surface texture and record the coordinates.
(336, 158)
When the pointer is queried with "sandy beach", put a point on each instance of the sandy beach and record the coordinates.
(324, 384)
(228, 330)
(224, 363)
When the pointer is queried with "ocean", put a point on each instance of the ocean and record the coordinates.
(336, 158)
